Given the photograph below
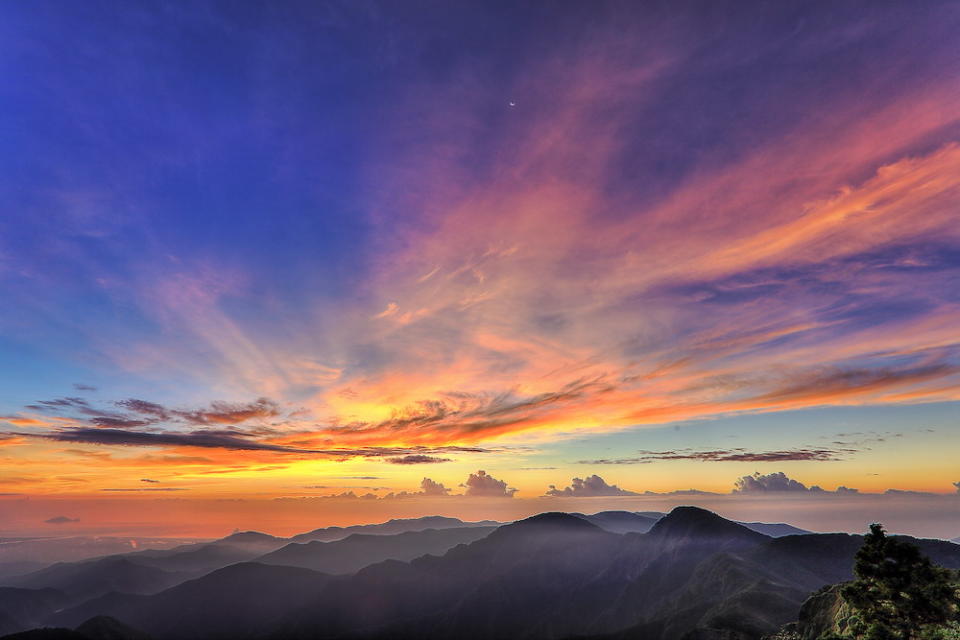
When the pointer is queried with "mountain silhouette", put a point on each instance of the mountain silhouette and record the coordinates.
(107, 628)
(98, 628)
(774, 529)
(237, 601)
(693, 576)
(94, 578)
(397, 525)
(359, 550)
(622, 521)
(21, 609)
(694, 523)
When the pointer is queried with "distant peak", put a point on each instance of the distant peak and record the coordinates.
(556, 519)
(696, 522)
(248, 536)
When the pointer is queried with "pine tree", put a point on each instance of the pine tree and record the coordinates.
(897, 591)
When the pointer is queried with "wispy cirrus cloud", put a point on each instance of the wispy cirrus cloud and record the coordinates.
(654, 227)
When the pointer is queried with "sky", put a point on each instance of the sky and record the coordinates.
(330, 262)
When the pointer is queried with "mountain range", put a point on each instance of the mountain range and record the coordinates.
(689, 575)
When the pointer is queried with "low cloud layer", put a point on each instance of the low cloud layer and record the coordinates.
(592, 486)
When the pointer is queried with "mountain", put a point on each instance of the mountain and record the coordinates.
(955, 540)
(47, 633)
(747, 594)
(21, 609)
(8, 569)
(774, 530)
(94, 578)
(359, 550)
(621, 521)
(37, 553)
(403, 525)
(107, 628)
(242, 600)
(198, 559)
(693, 576)
(99, 628)
(511, 583)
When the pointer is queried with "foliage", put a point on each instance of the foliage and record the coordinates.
(898, 594)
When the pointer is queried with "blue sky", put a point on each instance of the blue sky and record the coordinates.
(487, 235)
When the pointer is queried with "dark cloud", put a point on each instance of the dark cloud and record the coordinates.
(840, 382)
(61, 404)
(148, 480)
(143, 412)
(147, 489)
(730, 455)
(83, 387)
(144, 407)
(586, 488)
(416, 459)
(61, 520)
(119, 423)
(234, 439)
(205, 439)
(230, 413)
(325, 486)
(482, 485)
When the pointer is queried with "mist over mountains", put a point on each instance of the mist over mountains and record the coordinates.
(688, 574)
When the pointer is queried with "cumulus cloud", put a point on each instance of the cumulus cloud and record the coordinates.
(417, 459)
(61, 520)
(586, 488)
(777, 482)
(483, 485)
(429, 487)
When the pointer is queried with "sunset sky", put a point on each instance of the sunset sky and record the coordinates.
(256, 253)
